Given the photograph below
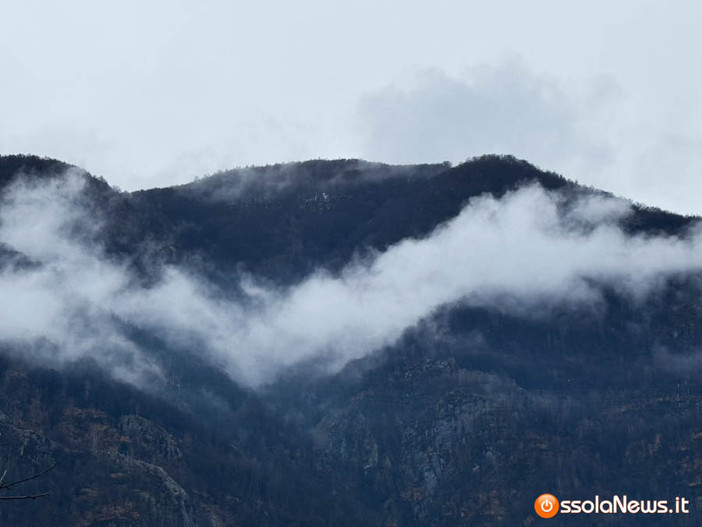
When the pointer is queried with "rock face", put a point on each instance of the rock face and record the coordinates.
(464, 420)
(110, 486)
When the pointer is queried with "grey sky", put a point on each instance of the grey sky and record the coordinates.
(154, 93)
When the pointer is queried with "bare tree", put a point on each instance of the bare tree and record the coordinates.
(11, 484)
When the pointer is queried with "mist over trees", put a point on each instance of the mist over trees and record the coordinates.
(553, 348)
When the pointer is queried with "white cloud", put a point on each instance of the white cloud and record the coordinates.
(505, 110)
(60, 310)
(593, 130)
(517, 253)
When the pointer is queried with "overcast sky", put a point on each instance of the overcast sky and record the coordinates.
(155, 93)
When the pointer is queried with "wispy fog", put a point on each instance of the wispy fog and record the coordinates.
(519, 253)
(265, 182)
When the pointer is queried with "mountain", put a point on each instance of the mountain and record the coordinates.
(343, 343)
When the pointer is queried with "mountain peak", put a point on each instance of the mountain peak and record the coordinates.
(41, 168)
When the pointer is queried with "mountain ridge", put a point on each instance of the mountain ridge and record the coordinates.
(460, 420)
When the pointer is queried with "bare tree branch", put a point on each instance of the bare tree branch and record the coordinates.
(34, 476)
(27, 497)
(9, 485)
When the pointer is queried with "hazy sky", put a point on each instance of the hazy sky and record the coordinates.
(154, 93)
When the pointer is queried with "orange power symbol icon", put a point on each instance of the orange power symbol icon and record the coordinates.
(546, 506)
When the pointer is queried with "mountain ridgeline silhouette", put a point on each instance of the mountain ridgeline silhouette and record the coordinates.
(344, 343)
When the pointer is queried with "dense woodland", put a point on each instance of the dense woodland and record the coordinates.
(463, 426)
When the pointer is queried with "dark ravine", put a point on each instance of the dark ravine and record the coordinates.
(464, 420)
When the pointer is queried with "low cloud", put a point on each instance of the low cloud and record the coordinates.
(527, 247)
(57, 307)
(260, 183)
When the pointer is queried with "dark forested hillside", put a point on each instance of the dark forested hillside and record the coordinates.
(300, 217)
(170, 372)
